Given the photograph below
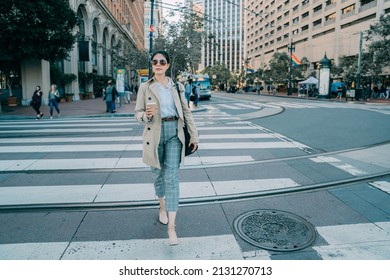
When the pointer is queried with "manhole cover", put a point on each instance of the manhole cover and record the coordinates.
(275, 230)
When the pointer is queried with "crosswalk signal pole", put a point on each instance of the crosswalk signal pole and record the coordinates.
(151, 38)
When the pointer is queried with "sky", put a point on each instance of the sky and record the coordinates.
(166, 11)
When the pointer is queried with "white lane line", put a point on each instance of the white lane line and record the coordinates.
(139, 147)
(50, 125)
(114, 139)
(382, 185)
(16, 195)
(340, 165)
(355, 241)
(70, 130)
(255, 185)
(222, 247)
(107, 163)
(48, 194)
(249, 106)
(229, 106)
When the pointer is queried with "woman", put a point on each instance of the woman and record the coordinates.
(162, 110)
(37, 101)
(53, 96)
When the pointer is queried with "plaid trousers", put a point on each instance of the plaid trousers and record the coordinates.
(166, 179)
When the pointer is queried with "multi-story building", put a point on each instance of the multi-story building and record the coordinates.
(104, 25)
(314, 27)
(224, 26)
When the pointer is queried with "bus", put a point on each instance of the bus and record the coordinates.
(203, 80)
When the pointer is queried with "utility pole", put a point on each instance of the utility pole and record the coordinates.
(359, 61)
(290, 48)
(151, 29)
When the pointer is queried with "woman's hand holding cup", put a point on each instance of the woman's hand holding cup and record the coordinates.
(150, 109)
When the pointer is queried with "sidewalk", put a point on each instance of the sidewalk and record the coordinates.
(89, 107)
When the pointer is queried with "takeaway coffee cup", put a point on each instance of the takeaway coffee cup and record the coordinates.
(151, 107)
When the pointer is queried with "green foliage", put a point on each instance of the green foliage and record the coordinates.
(221, 72)
(52, 22)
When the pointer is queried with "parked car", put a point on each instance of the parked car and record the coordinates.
(249, 89)
(232, 89)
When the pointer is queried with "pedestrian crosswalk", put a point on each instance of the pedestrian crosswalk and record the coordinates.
(75, 152)
(258, 105)
(100, 144)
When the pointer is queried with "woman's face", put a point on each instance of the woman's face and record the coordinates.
(38, 88)
(159, 64)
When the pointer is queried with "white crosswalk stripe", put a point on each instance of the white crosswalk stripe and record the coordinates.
(368, 242)
(64, 146)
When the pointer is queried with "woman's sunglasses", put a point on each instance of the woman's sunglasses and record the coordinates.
(162, 62)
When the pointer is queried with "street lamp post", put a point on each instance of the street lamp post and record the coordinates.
(291, 48)
(151, 37)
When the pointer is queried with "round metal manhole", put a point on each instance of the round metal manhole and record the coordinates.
(275, 230)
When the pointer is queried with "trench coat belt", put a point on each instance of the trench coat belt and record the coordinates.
(169, 119)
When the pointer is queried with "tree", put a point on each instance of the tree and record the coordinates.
(379, 49)
(220, 72)
(183, 41)
(34, 29)
(52, 23)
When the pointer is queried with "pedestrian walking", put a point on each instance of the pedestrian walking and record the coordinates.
(339, 93)
(187, 91)
(110, 96)
(197, 95)
(36, 102)
(54, 97)
(163, 112)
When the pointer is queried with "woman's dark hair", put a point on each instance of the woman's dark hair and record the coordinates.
(39, 87)
(164, 53)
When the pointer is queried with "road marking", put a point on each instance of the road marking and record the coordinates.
(139, 147)
(17, 195)
(70, 130)
(355, 241)
(340, 165)
(107, 163)
(223, 247)
(382, 185)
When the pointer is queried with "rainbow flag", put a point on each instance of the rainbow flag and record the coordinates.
(249, 69)
(295, 60)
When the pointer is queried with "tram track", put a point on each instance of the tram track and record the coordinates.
(195, 201)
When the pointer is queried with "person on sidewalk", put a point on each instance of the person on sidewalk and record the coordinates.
(160, 108)
(36, 102)
(187, 91)
(197, 95)
(54, 96)
(110, 96)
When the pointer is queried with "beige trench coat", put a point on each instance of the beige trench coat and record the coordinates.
(148, 92)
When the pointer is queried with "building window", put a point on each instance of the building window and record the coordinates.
(330, 2)
(306, 27)
(318, 8)
(305, 2)
(364, 2)
(330, 17)
(295, 20)
(348, 9)
(296, 8)
(296, 31)
(317, 22)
